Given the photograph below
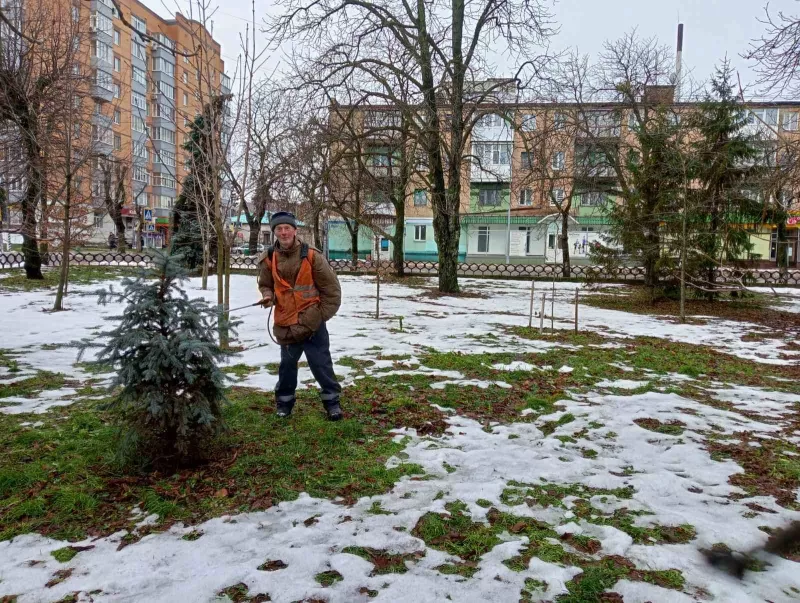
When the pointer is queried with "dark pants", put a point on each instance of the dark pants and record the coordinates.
(318, 354)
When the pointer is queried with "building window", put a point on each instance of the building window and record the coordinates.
(99, 22)
(103, 135)
(166, 112)
(117, 91)
(137, 124)
(165, 158)
(790, 121)
(166, 89)
(140, 174)
(559, 121)
(483, 239)
(76, 130)
(138, 50)
(558, 160)
(526, 196)
(116, 37)
(160, 64)
(528, 122)
(492, 153)
(489, 197)
(165, 181)
(164, 135)
(551, 241)
(139, 76)
(117, 64)
(526, 159)
(76, 14)
(103, 80)
(185, 77)
(138, 100)
(420, 232)
(528, 231)
(420, 198)
(139, 24)
(117, 142)
(117, 117)
(185, 97)
(557, 197)
(164, 201)
(98, 108)
(491, 120)
(592, 199)
(102, 51)
(140, 151)
(760, 117)
(98, 220)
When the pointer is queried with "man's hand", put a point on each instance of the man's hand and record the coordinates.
(265, 302)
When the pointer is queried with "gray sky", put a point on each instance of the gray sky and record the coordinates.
(712, 28)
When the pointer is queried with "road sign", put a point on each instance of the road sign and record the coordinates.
(150, 227)
(148, 215)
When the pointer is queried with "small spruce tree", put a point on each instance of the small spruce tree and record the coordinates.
(166, 355)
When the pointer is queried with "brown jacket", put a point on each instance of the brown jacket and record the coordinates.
(330, 292)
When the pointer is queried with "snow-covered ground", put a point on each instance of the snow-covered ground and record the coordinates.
(673, 477)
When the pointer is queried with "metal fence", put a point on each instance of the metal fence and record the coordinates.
(730, 275)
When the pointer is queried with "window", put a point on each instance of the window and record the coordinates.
(592, 199)
(101, 50)
(101, 23)
(138, 50)
(163, 180)
(98, 218)
(551, 241)
(76, 130)
(420, 232)
(139, 24)
(489, 197)
(526, 159)
(160, 64)
(117, 64)
(492, 153)
(164, 135)
(117, 142)
(138, 124)
(528, 122)
(103, 135)
(557, 197)
(185, 77)
(166, 89)
(528, 231)
(790, 121)
(98, 108)
(139, 76)
(116, 37)
(483, 239)
(759, 117)
(117, 117)
(558, 160)
(140, 151)
(140, 174)
(185, 100)
(420, 198)
(138, 100)
(165, 158)
(165, 111)
(103, 80)
(526, 196)
(382, 119)
(117, 90)
(185, 58)
(77, 102)
(491, 120)
(163, 201)
(559, 121)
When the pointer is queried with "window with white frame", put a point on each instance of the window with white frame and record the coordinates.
(138, 50)
(558, 160)
(526, 197)
(760, 117)
(592, 199)
(420, 232)
(489, 197)
(99, 22)
(185, 98)
(139, 24)
(185, 77)
(98, 108)
(526, 160)
(165, 158)
(164, 201)
(139, 76)
(138, 124)
(117, 142)
(103, 80)
(483, 239)
(117, 117)
(789, 120)
(165, 111)
(117, 64)
(102, 51)
(559, 121)
(104, 135)
(166, 89)
(117, 90)
(163, 180)
(139, 101)
(140, 174)
(420, 198)
(160, 64)
(76, 14)
(490, 120)
(140, 151)
(164, 135)
(116, 37)
(557, 197)
(97, 188)
(76, 130)
(98, 220)
(528, 122)
(492, 153)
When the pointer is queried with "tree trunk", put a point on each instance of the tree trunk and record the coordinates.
(399, 238)
(317, 234)
(220, 233)
(354, 243)
(62, 280)
(119, 224)
(782, 249)
(566, 268)
(30, 248)
(255, 233)
(206, 260)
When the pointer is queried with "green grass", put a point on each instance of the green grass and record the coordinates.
(62, 479)
(78, 275)
(328, 578)
(239, 370)
(27, 388)
(383, 562)
(456, 533)
(64, 555)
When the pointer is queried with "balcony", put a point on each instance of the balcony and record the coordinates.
(490, 173)
(102, 94)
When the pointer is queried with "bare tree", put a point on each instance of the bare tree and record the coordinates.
(447, 44)
(776, 54)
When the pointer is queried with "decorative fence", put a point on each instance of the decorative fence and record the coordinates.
(517, 271)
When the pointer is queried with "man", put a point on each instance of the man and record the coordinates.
(306, 294)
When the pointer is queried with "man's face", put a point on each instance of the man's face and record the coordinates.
(285, 234)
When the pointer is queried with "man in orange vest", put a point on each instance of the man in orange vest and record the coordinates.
(302, 286)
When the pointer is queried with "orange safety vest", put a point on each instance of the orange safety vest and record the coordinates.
(290, 301)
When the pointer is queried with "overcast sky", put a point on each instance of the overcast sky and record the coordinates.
(712, 28)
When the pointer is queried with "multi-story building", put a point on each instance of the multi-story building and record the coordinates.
(524, 161)
(145, 91)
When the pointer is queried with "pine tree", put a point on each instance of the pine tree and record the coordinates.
(165, 352)
(187, 234)
(728, 164)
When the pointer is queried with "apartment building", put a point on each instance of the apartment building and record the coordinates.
(148, 83)
(524, 161)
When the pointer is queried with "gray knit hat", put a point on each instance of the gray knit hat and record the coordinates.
(282, 217)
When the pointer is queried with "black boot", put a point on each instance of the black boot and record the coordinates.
(284, 408)
(333, 409)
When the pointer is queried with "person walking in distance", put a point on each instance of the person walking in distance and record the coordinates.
(306, 294)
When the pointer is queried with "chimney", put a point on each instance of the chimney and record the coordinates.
(679, 63)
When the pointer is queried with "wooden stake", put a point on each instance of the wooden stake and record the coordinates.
(553, 308)
(530, 316)
(576, 310)
(541, 315)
